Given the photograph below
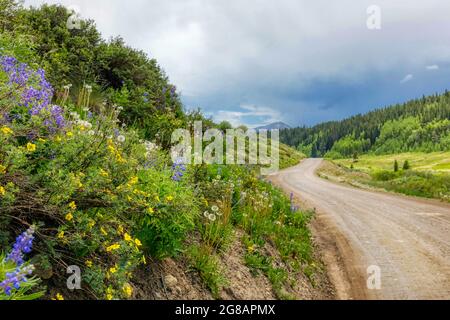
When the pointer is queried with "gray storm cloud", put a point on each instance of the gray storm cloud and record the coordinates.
(239, 49)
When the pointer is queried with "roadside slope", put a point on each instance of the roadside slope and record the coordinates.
(409, 239)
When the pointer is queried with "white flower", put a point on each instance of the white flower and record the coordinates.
(121, 138)
(215, 208)
(91, 132)
(206, 214)
(212, 217)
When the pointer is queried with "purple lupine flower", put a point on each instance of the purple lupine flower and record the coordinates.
(35, 92)
(178, 169)
(13, 280)
(23, 244)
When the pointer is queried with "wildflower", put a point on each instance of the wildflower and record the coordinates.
(113, 270)
(58, 139)
(2, 191)
(134, 180)
(14, 279)
(91, 132)
(113, 247)
(127, 290)
(23, 244)
(212, 217)
(60, 235)
(138, 242)
(150, 211)
(69, 216)
(2, 169)
(88, 263)
(109, 293)
(59, 296)
(31, 147)
(6, 131)
(127, 237)
(169, 198)
(215, 208)
(103, 231)
(69, 134)
(104, 173)
(121, 138)
(251, 248)
(206, 214)
(120, 230)
(72, 205)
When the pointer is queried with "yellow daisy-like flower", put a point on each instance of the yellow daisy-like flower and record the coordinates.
(138, 242)
(2, 169)
(69, 134)
(59, 296)
(60, 235)
(6, 131)
(169, 198)
(113, 270)
(120, 230)
(88, 263)
(73, 205)
(2, 191)
(109, 296)
(31, 147)
(127, 290)
(69, 216)
(113, 247)
(150, 210)
(127, 237)
(58, 139)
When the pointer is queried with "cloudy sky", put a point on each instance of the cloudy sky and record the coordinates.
(298, 61)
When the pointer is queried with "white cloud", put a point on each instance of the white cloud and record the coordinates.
(407, 78)
(265, 116)
(433, 67)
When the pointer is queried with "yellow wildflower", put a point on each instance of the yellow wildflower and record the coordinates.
(127, 237)
(72, 205)
(2, 169)
(113, 270)
(138, 242)
(69, 216)
(144, 261)
(104, 173)
(2, 191)
(120, 230)
(103, 231)
(127, 290)
(41, 140)
(59, 296)
(169, 198)
(113, 247)
(151, 210)
(31, 147)
(69, 134)
(133, 180)
(88, 263)
(6, 131)
(58, 139)
(157, 199)
(60, 235)
(109, 294)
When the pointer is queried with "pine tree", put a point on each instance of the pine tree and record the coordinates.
(406, 165)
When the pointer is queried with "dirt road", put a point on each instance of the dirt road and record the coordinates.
(407, 238)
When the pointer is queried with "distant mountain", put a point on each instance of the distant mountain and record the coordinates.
(274, 126)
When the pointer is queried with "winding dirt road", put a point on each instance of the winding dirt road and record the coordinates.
(407, 238)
